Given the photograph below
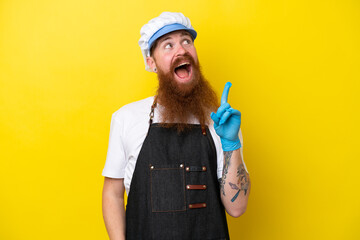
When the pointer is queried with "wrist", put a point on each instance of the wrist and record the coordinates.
(230, 145)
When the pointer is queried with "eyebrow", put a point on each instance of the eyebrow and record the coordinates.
(164, 39)
(186, 33)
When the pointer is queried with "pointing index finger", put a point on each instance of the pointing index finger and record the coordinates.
(225, 93)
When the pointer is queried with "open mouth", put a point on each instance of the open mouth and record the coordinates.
(183, 71)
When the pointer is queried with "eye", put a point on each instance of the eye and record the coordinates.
(168, 45)
(186, 41)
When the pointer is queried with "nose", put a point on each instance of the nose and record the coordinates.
(180, 50)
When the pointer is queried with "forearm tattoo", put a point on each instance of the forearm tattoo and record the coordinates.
(243, 181)
(227, 157)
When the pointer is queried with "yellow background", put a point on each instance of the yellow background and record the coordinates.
(66, 66)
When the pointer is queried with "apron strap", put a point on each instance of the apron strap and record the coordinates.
(203, 130)
(153, 106)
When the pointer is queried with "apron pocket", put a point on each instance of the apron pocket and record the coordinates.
(167, 188)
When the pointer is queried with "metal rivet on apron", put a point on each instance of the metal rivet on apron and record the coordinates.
(181, 165)
(204, 168)
(204, 205)
(188, 187)
(204, 186)
(203, 130)
(151, 167)
(187, 169)
(190, 206)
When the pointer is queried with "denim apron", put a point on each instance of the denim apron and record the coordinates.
(174, 189)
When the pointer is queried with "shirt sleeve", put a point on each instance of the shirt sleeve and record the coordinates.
(116, 158)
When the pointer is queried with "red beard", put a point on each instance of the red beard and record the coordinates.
(184, 101)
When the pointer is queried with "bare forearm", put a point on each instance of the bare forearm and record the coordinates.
(113, 213)
(234, 184)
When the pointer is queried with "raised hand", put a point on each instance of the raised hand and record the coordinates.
(227, 122)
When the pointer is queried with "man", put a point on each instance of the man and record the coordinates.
(179, 169)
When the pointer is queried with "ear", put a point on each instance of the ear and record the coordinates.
(151, 63)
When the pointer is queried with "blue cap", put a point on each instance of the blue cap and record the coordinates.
(170, 28)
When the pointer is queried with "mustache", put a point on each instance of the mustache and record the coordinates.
(186, 57)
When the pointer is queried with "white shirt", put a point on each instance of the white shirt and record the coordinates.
(128, 129)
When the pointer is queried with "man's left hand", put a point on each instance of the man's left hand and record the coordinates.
(227, 122)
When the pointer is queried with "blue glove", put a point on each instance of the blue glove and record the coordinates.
(227, 123)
